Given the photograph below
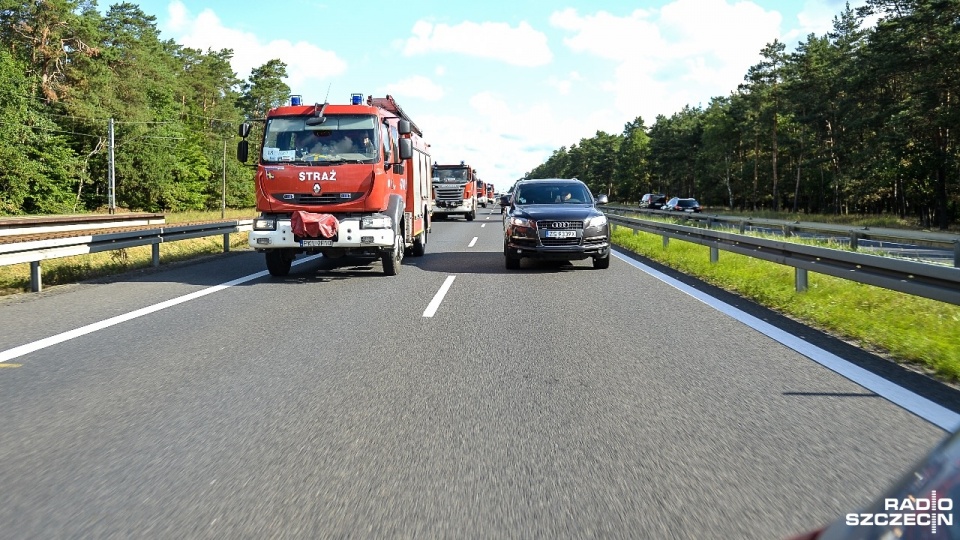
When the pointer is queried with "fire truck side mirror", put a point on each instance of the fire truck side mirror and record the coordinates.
(406, 147)
(244, 130)
(243, 148)
(403, 126)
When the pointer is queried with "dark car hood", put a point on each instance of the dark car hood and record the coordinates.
(557, 211)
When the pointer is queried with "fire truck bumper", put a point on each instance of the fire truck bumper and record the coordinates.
(452, 207)
(350, 235)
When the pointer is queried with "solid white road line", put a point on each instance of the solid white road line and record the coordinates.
(434, 304)
(16, 352)
(918, 405)
(473, 242)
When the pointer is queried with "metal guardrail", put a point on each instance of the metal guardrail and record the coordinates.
(34, 252)
(18, 225)
(940, 283)
(946, 241)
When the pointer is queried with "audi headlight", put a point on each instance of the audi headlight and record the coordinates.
(522, 222)
(595, 221)
(265, 224)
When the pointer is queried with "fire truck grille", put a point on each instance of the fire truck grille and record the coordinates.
(318, 199)
(448, 194)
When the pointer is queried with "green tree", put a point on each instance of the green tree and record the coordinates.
(632, 173)
(675, 145)
(912, 55)
(264, 89)
(722, 142)
(764, 82)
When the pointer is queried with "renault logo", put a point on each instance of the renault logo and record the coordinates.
(560, 225)
(316, 189)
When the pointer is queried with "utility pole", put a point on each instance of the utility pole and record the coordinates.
(111, 189)
(223, 190)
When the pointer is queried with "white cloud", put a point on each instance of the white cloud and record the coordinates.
(563, 85)
(609, 36)
(306, 63)
(508, 138)
(417, 86)
(683, 53)
(520, 46)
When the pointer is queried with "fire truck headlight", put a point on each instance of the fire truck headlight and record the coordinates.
(265, 224)
(375, 222)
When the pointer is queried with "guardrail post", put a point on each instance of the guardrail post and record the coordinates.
(226, 242)
(714, 254)
(156, 254)
(666, 241)
(854, 240)
(36, 283)
(956, 254)
(636, 232)
(743, 226)
(801, 279)
(788, 231)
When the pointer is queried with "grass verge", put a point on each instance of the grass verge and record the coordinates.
(908, 329)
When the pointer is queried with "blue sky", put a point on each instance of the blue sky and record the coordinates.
(501, 84)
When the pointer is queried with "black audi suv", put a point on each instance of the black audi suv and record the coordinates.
(555, 219)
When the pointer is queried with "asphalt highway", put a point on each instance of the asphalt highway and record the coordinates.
(455, 400)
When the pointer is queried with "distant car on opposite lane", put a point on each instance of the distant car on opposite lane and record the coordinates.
(677, 204)
(653, 201)
(555, 219)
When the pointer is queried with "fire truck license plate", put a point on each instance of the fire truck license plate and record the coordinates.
(316, 243)
(561, 234)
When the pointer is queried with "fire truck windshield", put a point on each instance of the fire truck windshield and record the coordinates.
(341, 139)
(450, 175)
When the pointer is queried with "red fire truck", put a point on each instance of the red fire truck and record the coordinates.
(350, 179)
(481, 191)
(491, 195)
(455, 191)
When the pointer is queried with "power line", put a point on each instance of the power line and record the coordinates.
(50, 130)
(131, 122)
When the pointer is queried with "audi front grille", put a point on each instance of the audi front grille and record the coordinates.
(559, 224)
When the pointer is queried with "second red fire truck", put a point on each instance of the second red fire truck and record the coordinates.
(455, 191)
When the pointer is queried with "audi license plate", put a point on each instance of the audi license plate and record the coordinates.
(316, 243)
(561, 234)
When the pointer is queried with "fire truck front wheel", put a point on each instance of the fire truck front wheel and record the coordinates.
(391, 259)
(279, 261)
(472, 215)
(420, 244)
